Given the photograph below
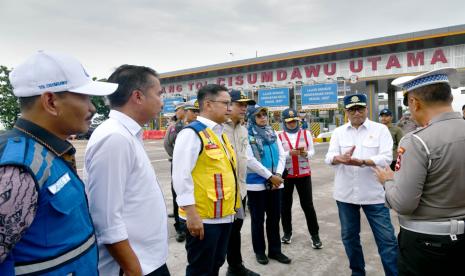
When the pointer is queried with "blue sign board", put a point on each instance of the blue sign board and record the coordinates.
(274, 98)
(319, 96)
(168, 104)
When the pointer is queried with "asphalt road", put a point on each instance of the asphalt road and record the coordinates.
(331, 260)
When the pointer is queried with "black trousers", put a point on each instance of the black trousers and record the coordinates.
(161, 271)
(304, 189)
(393, 165)
(179, 225)
(269, 203)
(421, 254)
(234, 256)
(205, 257)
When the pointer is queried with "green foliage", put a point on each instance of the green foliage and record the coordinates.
(102, 109)
(9, 106)
(101, 105)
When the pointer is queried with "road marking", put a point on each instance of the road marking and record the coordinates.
(158, 160)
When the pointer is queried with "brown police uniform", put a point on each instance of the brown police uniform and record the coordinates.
(428, 193)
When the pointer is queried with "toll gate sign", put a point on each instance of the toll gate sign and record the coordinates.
(319, 96)
(274, 99)
(168, 105)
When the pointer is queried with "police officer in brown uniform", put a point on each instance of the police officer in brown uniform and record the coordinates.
(428, 188)
(168, 143)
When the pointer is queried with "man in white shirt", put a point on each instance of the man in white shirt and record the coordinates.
(239, 137)
(122, 185)
(354, 148)
(205, 181)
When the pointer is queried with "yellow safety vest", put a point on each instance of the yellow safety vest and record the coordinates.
(216, 191)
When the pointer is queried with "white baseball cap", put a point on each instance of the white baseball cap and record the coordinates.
(53, 72)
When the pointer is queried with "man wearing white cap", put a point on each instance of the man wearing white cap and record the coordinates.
(125, 198)
(45, 223)
(428, 188)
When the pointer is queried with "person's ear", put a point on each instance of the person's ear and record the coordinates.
(136, 96)
(50, 103)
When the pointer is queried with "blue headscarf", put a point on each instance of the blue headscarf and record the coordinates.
(263, 135)
(290, 114)
(294, 130)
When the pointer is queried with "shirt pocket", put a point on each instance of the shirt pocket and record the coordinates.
(217, 191)
(345, 147)
(370, 146)
(67, 199)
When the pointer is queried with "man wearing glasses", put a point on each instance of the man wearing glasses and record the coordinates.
(354, 148)
(205, 180)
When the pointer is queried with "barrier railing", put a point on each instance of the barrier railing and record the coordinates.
(153, 134)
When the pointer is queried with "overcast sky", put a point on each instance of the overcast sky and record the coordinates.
(174, 35)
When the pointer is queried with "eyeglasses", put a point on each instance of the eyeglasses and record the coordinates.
(227, 103)
(352, 110)
(261, 115)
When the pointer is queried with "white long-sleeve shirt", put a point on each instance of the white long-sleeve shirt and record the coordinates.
(185, 154)
(353, 184)
(125, 199)
(255, 166)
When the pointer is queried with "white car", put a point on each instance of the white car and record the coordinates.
(325, 135)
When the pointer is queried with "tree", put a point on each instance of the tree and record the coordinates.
(101, 106)
(102, 109)
(9, 108)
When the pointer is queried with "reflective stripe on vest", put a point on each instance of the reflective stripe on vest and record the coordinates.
(41, 165)
(68, 256)
(297, 166)
(219, 195)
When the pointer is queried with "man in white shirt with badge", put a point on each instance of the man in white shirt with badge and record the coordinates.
(123, 189)
(354, 148)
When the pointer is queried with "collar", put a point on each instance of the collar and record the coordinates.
(365, 124)
(52, 142)
(217, 128)
(132, 126)
(230, 123)
(446, 116)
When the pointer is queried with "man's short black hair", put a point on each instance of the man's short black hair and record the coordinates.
(463, 107)
(209, 91)
(26, 103)
(439, 93)
(129, 78)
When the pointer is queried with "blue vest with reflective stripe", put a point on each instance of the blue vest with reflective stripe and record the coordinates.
(60, 240)
(269, 160)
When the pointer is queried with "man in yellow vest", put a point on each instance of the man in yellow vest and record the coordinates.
(205, 181)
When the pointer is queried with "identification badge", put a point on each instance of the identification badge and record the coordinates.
(211, 146)
(400, 151)
(59, 184)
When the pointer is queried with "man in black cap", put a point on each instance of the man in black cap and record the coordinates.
(238, 136)
(428, 188)
(354, 148)
(385, 117)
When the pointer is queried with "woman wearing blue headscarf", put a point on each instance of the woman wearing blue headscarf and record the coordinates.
(265, 164)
